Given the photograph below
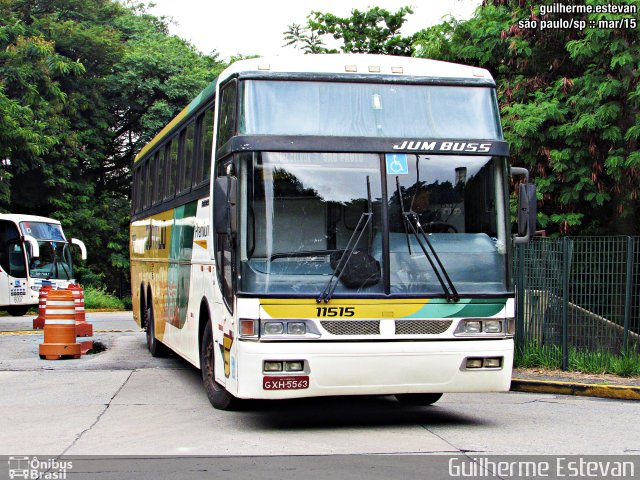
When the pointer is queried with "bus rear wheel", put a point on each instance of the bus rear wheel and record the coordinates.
(418, 398)
(155, 346)
(18, 310)
(218, 396)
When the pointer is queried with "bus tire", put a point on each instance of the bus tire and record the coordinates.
(218, 396)
(418, 398)
(155, 346)
(18, 310)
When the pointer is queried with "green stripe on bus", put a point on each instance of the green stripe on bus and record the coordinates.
(179, 275)
(440, 308)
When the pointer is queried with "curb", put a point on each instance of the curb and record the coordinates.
(619, 392)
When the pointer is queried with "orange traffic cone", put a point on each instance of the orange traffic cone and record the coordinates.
(83, 329)
(59, 327)
(38, 322)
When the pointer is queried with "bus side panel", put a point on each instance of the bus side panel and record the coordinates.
(136, 239)
(149, 264)
(190, 278)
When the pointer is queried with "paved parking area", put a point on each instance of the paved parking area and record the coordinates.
(124, 402)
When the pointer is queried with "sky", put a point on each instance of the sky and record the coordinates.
(255, 27)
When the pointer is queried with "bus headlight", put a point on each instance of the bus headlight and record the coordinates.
(272, 366)
(287, 329)
(474, 363)
(294, 366)
(273, 328)
(492, 326)
(482, 363)
(481, 327)
(471, 326)
(296, 328)
(492, 362)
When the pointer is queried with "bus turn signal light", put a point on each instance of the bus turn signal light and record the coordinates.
(248, 328)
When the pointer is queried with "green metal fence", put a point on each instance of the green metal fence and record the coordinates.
(577, 296)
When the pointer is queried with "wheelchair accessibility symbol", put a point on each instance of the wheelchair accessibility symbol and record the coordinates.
(397, 164)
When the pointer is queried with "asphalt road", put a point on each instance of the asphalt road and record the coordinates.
(123, 402)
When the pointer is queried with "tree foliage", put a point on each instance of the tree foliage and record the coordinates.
(569, 101)
(372, 31)
(569, 97)
(84, 84)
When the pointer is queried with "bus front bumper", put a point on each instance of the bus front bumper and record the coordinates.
(373, 368)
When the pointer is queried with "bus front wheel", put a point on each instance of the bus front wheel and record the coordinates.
(218, 396)
(18, 310)
(418, 398)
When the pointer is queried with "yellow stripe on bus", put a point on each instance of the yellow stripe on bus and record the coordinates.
(356, 308)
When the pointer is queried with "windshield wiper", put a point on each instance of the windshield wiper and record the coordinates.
(409, 218)
(349, 249)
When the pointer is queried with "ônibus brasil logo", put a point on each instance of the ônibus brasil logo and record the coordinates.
(35, 469)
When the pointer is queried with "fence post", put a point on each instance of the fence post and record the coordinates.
(628, 292)
(565, 303)
(520, 298)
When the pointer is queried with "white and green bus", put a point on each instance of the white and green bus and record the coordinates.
(34, 252)
(331, 225)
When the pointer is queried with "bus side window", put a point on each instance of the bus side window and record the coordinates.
(158, 160)
(148, 191)
(134, 191)
(227, 119)
(171, 163)
(205, 132)
(187, 139)
(143, 184)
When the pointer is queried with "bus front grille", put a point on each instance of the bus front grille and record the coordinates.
(422, 327)
(351, 327)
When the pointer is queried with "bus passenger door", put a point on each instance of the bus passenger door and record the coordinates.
(13, 275)
(17, 273)
(4, 280)
(225, 224)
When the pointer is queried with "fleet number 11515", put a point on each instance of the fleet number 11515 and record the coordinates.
(335, 311)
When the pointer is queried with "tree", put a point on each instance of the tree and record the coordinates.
(85, 84)
(569, 101)
(373, 31)
(304, 40)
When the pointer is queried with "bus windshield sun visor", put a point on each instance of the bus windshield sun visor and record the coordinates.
(356, 268)
(411, 221)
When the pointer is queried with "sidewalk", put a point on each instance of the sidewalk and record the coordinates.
(575, 383)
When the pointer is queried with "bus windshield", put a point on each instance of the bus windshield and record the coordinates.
(368, 110)
(43, 231)
(54, 261)
(300, 211)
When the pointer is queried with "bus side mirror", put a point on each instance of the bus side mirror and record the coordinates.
(33, 243)
(225, 212)
(81, 246)
(527, 208)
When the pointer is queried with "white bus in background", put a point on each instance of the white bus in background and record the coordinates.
(34, 253)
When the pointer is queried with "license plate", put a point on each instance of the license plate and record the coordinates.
(298, 382)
